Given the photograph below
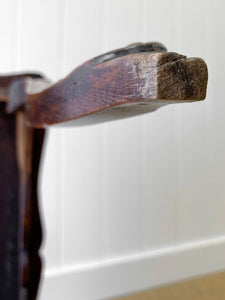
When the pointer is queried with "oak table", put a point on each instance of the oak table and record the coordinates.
(139, 78)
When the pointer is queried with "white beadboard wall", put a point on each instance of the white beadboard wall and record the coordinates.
(136, 203)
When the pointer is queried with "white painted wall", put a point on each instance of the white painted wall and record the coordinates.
(135, 203)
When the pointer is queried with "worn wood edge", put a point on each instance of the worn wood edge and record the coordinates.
(137, 74)
(147, 71)
(18, 85)
(119, 112)
(184, 79)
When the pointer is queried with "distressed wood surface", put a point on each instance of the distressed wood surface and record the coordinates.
(137, 74)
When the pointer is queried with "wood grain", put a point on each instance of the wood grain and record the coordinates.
(134, 78)
(209, 287)
(137, 74)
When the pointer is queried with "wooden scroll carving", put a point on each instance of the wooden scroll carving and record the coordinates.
(129, 81)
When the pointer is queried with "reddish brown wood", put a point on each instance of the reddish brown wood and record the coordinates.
(135, 78)
(142, 73)
(20, 229)
(29, 146)
(20, 151)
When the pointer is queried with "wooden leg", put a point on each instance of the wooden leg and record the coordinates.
(29, 146)
(10, 229)
(20, 228)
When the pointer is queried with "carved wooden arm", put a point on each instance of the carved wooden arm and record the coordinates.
(133, 80)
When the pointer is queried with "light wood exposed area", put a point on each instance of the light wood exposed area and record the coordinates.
(210, 287)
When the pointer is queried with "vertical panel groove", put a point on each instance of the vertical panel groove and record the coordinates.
(61, 150)
(175, 43)
(105, 48)
(17, 35)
